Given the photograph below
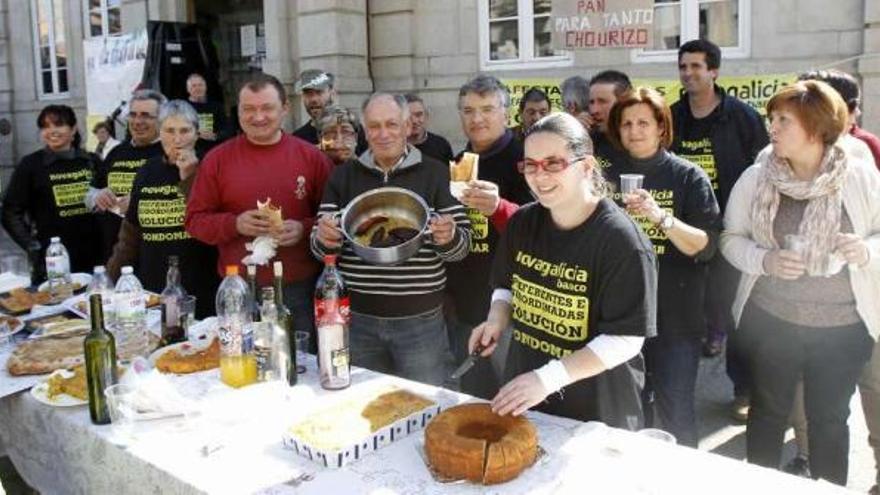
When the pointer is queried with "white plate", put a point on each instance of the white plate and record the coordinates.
(75, 326)
(183, 348)
(82, 279)
(40, 392)
(9, 281)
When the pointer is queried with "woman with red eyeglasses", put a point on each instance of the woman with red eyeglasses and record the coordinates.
(575, 282)
(677, 210)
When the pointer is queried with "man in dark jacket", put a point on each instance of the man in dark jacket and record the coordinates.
(482, 106)
(722, 135)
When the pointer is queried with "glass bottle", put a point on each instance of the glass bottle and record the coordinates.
(285, 319)
(99, 348)
(171, 297)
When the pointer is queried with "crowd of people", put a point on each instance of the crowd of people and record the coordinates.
(591, 299)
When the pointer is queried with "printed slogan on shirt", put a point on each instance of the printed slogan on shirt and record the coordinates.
(551, 313)
(699, 152)
(480, 227)
(665, 200)
(70, 196)
(162, 218)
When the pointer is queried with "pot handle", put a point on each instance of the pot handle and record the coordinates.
(426, 234)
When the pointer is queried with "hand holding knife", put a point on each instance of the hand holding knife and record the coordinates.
(469, 362)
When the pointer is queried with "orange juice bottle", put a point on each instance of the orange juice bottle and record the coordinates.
(238, 365)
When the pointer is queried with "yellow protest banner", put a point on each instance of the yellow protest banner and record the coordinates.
(754, 90)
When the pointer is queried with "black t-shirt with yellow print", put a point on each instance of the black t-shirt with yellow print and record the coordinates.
(468, 280)
(158, 208)
(683, 189)
(50, 188)
(118, 172)
(570, 286)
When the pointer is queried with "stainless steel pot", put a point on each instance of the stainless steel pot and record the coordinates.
(389, 202)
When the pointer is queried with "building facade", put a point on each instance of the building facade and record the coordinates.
(427, 46)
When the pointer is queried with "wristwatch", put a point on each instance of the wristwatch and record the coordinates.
(667, 221)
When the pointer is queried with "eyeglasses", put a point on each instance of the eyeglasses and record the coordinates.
(141, 116)
(339, 135)
(471, 113)
(551, 165)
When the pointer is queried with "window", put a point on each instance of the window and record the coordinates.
(516, 34)
(103, 17)
(724, 22)
(50, 47)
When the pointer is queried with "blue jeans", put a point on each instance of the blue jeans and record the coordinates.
(299, 299)
(413, 347)
(672, 364)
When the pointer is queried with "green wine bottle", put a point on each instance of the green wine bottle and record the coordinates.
(100, 353)
(285, 321)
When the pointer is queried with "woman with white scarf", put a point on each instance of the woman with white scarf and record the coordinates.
(803, 225)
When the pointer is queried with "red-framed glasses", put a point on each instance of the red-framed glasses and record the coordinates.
(550, 165)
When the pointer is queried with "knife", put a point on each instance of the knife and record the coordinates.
(468, 363)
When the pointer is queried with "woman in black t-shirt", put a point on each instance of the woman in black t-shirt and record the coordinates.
(574, 278)
(676, 208)
(47, 191)
(153, 226)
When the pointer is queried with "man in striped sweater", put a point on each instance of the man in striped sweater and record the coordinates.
(397, 321)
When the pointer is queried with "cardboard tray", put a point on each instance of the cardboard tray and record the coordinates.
(384, 436)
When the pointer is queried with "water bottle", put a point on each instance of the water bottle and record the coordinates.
(131, 317)
(238, 365)
(101, 284)
(332, 317)
(58, 271)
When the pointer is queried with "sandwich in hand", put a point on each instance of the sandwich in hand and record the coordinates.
(276, 222)
(463, 172)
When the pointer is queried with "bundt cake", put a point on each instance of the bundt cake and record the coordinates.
(473, 443)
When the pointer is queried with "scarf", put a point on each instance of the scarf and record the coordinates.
(821, 221)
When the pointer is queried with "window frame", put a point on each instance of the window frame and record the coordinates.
(53, 59)
(526, 28)
(105, 19)
(690, 30)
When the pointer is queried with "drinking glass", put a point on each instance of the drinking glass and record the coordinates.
(796, 243)
(123, 411)
(187, 308)
(630, 182)
(658, 434)
(15, 264)
(302, 350)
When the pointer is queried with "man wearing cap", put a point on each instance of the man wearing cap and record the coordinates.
(318, 91)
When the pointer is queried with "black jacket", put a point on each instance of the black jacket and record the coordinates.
(738, 135)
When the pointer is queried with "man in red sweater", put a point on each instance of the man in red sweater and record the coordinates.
(262, 163)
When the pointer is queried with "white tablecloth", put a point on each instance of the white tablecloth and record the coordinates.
(58, 450)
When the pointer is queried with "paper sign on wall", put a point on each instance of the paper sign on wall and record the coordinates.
(592, 24)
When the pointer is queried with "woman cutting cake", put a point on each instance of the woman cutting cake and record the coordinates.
(574, 277)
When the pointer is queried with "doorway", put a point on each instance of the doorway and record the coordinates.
(238, 33)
